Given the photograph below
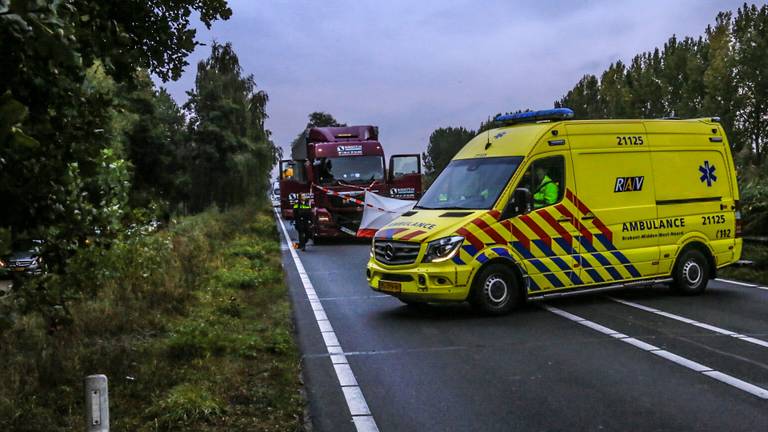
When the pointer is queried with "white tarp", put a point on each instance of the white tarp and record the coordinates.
(379, 211)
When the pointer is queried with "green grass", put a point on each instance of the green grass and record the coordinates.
(755, 273)
(192, 326)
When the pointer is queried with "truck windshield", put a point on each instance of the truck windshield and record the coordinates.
(471, 184)
(350, 169)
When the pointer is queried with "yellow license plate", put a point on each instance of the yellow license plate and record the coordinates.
(387, 286)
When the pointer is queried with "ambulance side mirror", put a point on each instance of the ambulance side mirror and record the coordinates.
(520, 203)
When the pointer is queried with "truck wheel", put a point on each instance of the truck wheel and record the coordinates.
(495, 290)
(691, 273)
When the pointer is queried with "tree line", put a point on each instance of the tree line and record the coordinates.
(723, 73)
(90, 146)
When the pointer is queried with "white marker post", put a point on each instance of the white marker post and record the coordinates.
(96, 403)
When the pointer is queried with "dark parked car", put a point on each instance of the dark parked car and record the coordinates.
(25, 260)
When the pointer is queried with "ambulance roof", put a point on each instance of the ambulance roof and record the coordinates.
(519, 139)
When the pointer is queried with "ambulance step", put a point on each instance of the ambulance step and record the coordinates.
(577, 291)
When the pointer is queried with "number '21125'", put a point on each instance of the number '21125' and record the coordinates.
(629, 140)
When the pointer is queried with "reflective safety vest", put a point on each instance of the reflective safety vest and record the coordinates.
(546, 194)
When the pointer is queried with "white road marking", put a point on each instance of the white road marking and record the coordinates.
(356, 401)
(739, 384)
(709, 327)
(682, 361)
(338, 358)
(737, 283)
(358, 407)
(325, 326)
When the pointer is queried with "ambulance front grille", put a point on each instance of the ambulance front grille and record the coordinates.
(395, 252)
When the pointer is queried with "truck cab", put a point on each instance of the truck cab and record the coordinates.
(336, 166)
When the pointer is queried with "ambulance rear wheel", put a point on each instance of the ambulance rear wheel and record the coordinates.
(691, 273)
(495, 290)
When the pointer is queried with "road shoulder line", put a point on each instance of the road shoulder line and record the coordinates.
(699, 324)
(356, 403)
(682, 361)
(737, 283)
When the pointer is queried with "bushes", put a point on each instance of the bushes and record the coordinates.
(191, 325)
(754, 205)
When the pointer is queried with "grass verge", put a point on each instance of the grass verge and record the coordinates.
(192, 325)
(755, 273)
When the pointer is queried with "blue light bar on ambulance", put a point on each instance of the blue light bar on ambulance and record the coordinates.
(534, 116)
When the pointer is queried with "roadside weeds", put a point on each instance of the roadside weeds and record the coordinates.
(192, 326)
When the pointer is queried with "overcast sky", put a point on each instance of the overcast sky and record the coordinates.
(410, 67)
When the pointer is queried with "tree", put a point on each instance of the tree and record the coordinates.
(62, 165)
(645, 90)
(231, 150)
(584, 98)
(613, 92)
(750, 45)
(155, 144)
(720, 97)
(444, 143)
(155, 35)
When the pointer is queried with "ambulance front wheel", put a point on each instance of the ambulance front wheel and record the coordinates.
(495, 290)
(691, 273)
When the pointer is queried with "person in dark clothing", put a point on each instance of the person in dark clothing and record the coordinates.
(302, 219)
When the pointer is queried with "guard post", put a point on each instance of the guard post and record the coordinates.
(96, 403)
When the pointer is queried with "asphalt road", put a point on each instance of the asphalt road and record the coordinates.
(568, 365)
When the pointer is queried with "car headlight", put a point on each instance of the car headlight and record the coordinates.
(442, 249)
(2, 264)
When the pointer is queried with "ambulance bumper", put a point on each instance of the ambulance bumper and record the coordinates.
(431, 282)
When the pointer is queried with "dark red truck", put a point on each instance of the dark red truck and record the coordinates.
(348, 161)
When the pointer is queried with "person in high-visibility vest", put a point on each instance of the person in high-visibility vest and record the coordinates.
(288, 172)
(547, 192)
(302, 219)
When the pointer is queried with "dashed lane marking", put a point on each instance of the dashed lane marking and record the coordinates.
(737, 283)
(682, 361)
(358, 407)
(706, 326)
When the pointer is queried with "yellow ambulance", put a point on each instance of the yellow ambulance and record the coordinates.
(545, 206)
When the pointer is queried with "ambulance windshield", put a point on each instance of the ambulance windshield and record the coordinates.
(471, 184)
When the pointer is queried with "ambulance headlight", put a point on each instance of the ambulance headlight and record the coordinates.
(442, 249)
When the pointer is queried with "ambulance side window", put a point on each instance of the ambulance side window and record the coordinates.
(545, 180)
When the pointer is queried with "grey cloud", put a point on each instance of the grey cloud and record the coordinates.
(411, 67)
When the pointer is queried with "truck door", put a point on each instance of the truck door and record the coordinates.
(405, 176)
(292, 182)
